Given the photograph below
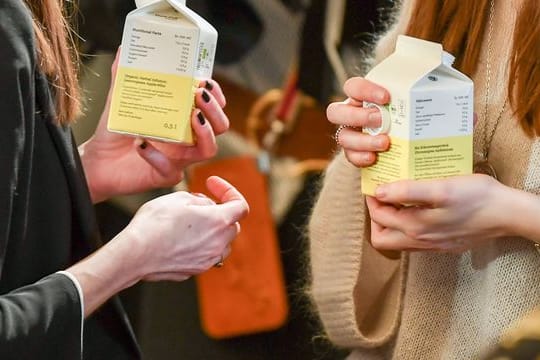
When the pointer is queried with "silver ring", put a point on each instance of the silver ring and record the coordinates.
(338, 131)
(220, 262)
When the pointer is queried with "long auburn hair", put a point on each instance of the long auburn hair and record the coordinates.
(460, 26)
(57, 55)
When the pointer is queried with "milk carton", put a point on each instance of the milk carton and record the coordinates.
(166, 49)
(429, 118)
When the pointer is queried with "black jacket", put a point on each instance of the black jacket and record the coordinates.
(47, 220)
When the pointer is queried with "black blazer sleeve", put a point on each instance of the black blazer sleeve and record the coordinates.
(42, 320)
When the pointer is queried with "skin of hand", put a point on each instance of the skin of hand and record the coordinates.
(116, 164)
(445, 218)
(359, 148)
(446, 215)
(172, 237)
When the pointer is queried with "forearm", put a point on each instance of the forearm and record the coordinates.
(349, 276)
(108, 271)
(521, 213)
(86, 161)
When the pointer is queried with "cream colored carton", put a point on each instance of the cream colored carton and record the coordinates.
(429, 119)
(166, 49)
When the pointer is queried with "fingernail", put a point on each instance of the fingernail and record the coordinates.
(380, 192)
(143, 145)
(378, 143)
(375, 117)
(208, 85)
(380, 95)
(205, 96)
(201, 118)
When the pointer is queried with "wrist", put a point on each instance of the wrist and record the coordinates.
(111, 269)
(88, 164)
(520, 214)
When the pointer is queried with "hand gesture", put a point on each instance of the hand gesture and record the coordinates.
(116, 164)
(360, 148)
(451, 214)
(181, 234)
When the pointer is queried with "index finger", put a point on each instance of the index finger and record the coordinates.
(232, 201)
(413, 192)
(361, 89)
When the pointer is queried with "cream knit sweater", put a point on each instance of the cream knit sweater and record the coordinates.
(425, 305)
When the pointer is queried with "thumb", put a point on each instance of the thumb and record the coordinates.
(232, 201)
(164, 166)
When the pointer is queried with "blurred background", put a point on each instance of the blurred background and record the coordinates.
(269, 52)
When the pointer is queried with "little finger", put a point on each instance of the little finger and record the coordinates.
(206, 140)
(360, 158)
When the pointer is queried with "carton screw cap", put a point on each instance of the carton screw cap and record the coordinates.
(385, 116)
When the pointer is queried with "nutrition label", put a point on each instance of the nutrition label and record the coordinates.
(175, 51)
(449, 115)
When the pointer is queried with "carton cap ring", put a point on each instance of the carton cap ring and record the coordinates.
(385, 119)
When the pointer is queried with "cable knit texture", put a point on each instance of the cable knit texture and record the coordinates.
(427, 305)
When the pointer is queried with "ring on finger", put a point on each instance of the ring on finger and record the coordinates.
(220, 262)
(338, 131)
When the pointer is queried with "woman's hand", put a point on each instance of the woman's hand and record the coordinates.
(117, 164)
(181, 234)
(171, 237)
(360, 148)
(440, 215)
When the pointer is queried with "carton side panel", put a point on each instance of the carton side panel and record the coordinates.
(152, 104)
(149, 43)
(391, 165)
(441, 111)
(442, 157)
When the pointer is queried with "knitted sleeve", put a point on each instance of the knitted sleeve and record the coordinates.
(356, 289)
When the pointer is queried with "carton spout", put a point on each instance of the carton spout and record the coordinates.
(177, 2)
(448, 59)
(141, 3)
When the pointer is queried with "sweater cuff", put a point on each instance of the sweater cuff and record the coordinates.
(81, 300)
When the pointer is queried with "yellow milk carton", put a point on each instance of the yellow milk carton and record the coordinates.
(166, 49)
(429, 118)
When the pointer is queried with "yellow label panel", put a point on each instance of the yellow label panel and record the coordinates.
(153, 104)
(419, 159)
(441, 157)
(391, 165)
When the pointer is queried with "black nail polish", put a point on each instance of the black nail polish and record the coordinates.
(201, 118)
(143, 145)
(205, 96)
(208, 85)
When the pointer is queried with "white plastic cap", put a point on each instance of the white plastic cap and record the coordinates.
(448, 59)
(141, 3)
(385, 123)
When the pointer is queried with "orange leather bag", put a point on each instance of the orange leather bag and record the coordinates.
(247, 295)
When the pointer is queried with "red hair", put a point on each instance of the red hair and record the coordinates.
(460, 26)
(57, 55)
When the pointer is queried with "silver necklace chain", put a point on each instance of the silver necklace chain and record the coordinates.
(487, 138)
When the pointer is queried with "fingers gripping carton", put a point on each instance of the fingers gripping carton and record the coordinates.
(166, 49)
(429, 118)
